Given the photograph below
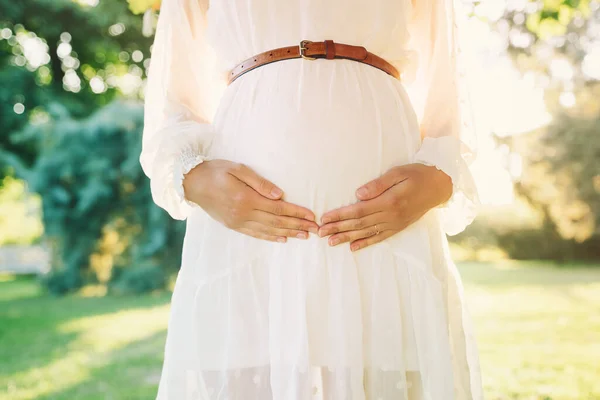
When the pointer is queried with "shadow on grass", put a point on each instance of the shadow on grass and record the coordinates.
(34, 326)
(128, 373)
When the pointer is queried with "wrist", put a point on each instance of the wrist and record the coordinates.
(191, 180)
(442, 183)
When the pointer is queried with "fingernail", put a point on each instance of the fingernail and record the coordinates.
(362, 192)
(354, 247)
(276, 192)
(302, 235)
(334, 241)
(313, 229)
(281, 239)
(325, 220)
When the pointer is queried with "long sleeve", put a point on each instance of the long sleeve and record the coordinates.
(182, 93)
(437, 87)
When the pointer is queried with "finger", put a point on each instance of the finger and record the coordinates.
(374, 230)
(259, 235)
(377, 186)
(279, 232)
(280, 207)
(368, 241)
(261, 185)
(352, 224)
(283, 222)
(353, 211)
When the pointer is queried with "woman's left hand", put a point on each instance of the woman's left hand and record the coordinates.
(387, 205)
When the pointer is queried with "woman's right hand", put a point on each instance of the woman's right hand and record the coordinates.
(240, 199)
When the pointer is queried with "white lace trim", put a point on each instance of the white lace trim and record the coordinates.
(187, 161)
(184, 144)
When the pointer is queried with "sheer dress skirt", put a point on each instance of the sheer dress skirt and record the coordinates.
(255, 320)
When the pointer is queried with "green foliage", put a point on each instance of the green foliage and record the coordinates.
(552, 29)
(140, 6)
(537, 226)
(102, 40)
(140, 279)
(60, 282)
(547, 244)
(561, 178)
(19, 214)
(76, 143)
(553, 17)
(571, 149)
(561, 161)
(90, 179)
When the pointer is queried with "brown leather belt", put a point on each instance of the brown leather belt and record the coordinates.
(311, 51)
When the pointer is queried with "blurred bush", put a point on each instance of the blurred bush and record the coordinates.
(79, 54)
(557, 210)
(140, 279)
(561, 179)
(64, 66)
(556, 215)
(97, 200)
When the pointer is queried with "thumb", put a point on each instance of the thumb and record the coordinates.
(256, 182)
(379, 185)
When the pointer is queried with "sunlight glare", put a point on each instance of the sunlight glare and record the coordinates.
(591, 63)
(96, 336)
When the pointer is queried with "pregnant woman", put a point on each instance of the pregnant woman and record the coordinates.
(318, 151)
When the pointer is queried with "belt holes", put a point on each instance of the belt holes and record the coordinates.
(242, 66)
(288, 51)
(270, 54)
(255, 60)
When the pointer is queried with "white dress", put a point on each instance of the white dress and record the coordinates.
(258, 320)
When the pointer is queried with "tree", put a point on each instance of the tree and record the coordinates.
(83, 60)
(557, 41)
(85, 198)
(70, 132)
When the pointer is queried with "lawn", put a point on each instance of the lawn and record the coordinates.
(538, 328)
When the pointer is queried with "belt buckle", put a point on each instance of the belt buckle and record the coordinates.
(303, 49)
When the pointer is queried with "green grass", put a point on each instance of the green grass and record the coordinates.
(538, 329)
(79, 348)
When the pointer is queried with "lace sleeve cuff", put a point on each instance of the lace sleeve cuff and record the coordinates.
(187, 161)
(444, 153)
(185, 144)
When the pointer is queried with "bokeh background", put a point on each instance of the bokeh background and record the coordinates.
(87, 260)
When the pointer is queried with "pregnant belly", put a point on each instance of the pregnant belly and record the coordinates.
(317, 129)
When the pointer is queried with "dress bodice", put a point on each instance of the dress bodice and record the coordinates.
(198, 41)
(238, 29)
